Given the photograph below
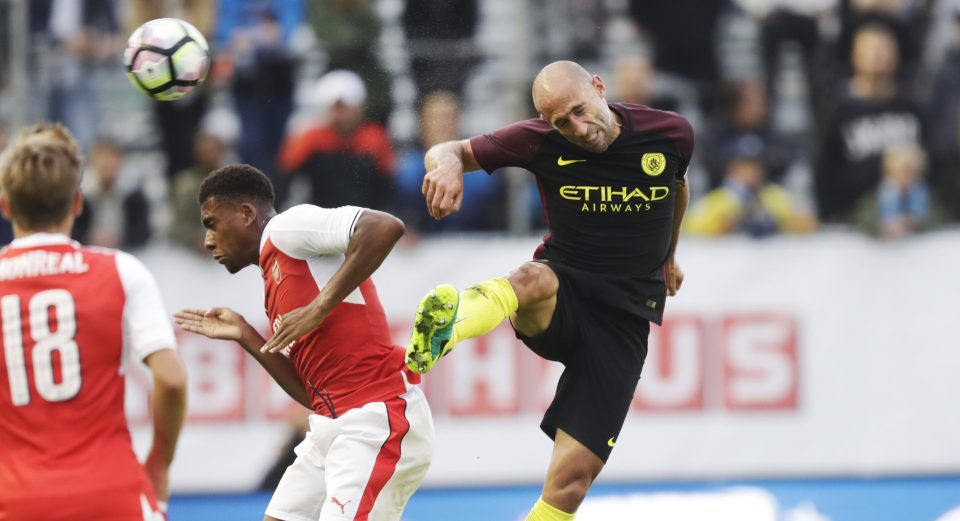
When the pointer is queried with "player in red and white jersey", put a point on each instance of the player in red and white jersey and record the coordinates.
(72, 319)
(371, 434)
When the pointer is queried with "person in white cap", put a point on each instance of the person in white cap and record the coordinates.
(347, 158)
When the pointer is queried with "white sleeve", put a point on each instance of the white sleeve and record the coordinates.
(146, 328)
(309, 231)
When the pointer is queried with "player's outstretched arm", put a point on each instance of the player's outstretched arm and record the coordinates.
(227, 324)
(374, 235)
(217, 323)
(443, 184)
(169, 408)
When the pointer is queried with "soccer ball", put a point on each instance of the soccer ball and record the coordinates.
(166, 58)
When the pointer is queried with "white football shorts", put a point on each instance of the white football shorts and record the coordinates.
(362, 466)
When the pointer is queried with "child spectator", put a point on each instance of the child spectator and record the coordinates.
(747, 202)
(902, 204)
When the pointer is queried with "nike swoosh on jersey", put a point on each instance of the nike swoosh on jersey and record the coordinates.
(564, 162)
(611, 442)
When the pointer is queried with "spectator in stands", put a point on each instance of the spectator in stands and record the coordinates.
(635, 81)
(254, 39)
(185, 229)
(746, 114)
(905, 19)
(747, 202)
(179, 120)
(440, 122)
(114, 216)
(902, 204)
(684, 49)
(791, 21)
(349, 32)
(569, 30)
(943, 118)
(75, 39)
(440, 41)
(200, 13)
(870, 116)
(347, 158)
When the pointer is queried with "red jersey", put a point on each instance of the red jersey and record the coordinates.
(348, 360)
(70, 316)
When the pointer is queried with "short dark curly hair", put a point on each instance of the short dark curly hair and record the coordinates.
(240, 182)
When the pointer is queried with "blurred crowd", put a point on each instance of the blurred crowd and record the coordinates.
(809, 114)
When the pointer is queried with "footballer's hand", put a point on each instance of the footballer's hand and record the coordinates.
(292, 327)
(674, 277)
(443, 189)
(157, 473)
(219, 323)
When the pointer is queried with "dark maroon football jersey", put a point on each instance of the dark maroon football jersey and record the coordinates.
(609, 213)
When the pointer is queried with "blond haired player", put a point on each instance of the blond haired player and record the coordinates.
(72, 318)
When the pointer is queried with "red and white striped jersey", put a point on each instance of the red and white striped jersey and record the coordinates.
(348, 360)
(71, 316)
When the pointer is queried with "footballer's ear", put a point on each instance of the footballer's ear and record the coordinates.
(5, 207)
(248, 213)
(77, 204)
(599, 86)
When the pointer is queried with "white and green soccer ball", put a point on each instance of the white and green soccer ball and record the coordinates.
(166, 58)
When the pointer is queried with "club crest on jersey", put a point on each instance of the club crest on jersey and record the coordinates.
(653, 163)
(276, 327)
(275, 271)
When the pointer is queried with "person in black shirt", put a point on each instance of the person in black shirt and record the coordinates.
(871, 115)
(611, 179)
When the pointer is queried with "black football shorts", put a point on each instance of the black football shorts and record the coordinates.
(602, 348)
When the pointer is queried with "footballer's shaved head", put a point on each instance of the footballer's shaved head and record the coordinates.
(558, 79)
(573, 102)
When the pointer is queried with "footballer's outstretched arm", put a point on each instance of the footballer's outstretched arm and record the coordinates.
(374, 235)
(281, 368)
(227, 324)
(169, 409)
(443, 184)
